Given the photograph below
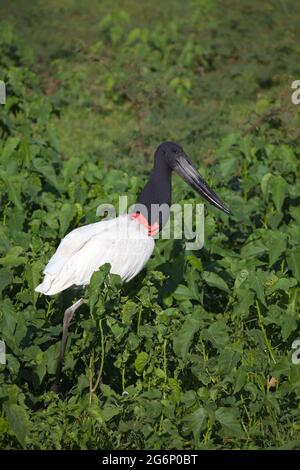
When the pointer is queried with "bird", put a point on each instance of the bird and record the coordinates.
(125, 242)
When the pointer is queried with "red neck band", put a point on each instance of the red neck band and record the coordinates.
(152, 229)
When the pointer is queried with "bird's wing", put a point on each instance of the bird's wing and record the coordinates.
(72, 243)
(122, 242)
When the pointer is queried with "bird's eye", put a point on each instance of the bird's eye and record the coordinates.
(175, 150)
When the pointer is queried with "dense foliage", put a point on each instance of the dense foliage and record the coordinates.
(195, 352)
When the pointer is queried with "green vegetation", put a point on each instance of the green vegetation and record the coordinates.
(194, 353)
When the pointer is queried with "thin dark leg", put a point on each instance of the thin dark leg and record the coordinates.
(68, 315)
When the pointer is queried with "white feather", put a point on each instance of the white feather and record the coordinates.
(123, 242)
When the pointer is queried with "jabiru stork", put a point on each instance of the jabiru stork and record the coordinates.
(125, 242)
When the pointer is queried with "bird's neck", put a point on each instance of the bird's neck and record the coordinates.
(155, 199)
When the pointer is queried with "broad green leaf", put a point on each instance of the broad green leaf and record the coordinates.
(183, 339)
(14, 188)
(241, 278)
(276, 244)
(109, 392)
(282, 284)
(196, 422)
(146, 295)
(217, 334)
(6, 278)
(241, 378)
(228, 166)
(278, 190)
(13, 258)
(66, 215)
(228, 359)
(8, 320)
(295, 213)
(128, 312)
(293, 259)
(32, 275)
(18, 420)
(109, 411)
(141, 362)
(265, 183)
(183, 293)
(214, 280)
(175, 388)
(195, 262)
(256, 283)
(48, 172)
(254, 248)
(246, 299)
(9, 147)
(96, 285)
(70, 168)
(285, 319)
(229, 420)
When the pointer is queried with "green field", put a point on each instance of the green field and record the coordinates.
(196, 351)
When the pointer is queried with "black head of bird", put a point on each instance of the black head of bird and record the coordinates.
(169, 157)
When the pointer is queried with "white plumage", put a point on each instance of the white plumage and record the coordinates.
(123, 242)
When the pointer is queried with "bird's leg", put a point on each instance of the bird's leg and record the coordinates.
(68, 315)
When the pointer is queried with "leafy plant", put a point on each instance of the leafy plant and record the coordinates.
(195, 353)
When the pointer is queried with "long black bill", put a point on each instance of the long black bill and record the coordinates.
(188, 172)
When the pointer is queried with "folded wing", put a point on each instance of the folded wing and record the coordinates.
(122, 242)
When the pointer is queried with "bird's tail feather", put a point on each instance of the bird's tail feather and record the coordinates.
(45, 286)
